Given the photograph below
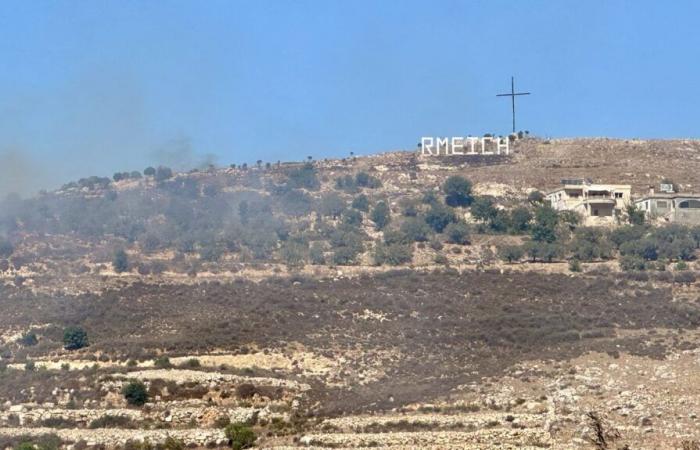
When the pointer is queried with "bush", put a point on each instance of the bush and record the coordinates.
(458, 191)
(381, 215)
(575, 265)
(29, 339)
(361, 203)
(240, 436)
(510, 253)
(162, 362)
(303, 177)
(684, 277)
(416, 229)
(457, 233)
(135, 393)
(111, 421)
(331, 205)
(363, 179)
(246, 390)
(681, 265)
(120, 262)
(635, 216)
(75, 338)
(439, 217)
(316, 254)
(173, 444)
(352, 217)
(589, 244)
(632, 262)
(393, 254)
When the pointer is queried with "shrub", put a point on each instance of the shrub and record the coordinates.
(416, 229)
(28, 339)
(316, 254)
(162, 362)
(30, 366)
(590, 243)
(574, 265)
(458, 191)
(303, 177)
(381, 215)
(684, 277)
(352, 217)
(246, 390)
(173, 444)
(626, 233)
(631, 262)
(363, 179)
(192, 363)
(635, 216)
(111, 421)
(75, 338)
(457, 233)
(135, 393)
(120, 262)
(332, 205)
(510, 253)
(439, 217)
(361, 203)
(393, 254)
(681, 265)
(396, 237)
(240, 436)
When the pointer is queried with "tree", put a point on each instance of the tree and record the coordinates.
(457, 233)
(439, 216)
(332, 205)
(240, 436)
(416, 229)
(458, 191)
(520, 218)
(535, 197)
(29, 339)
(149, 171)
(163, 173)
(546, 221)
(303, 177)
(363, 179)
(510, 253)
(361, 203)
(590, 243)
(352, 217)
(75, 338)
(381, 215)
(120, 262)
(482, 209)
(135, 393)
(635, 216)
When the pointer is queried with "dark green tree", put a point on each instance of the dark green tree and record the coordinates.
(458, 191)
(381, 215)
(75, 338)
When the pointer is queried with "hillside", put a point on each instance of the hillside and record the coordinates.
(392, 301)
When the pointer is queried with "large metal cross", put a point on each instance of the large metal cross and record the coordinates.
(512, 97)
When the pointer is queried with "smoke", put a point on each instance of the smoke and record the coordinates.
(21, 174)
(179, 154)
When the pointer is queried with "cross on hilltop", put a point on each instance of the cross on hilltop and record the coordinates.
(512, 95)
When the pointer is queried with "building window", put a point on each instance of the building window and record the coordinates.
(661, 204)
(689, 204)
(595, 212)
(618, 194)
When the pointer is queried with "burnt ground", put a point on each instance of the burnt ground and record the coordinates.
(441, 330)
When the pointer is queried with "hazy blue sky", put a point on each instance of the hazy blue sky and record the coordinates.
(91, 87)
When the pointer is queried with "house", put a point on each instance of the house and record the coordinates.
(597, 204)
(671, 206)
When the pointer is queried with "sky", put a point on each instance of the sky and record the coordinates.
(94, 87)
